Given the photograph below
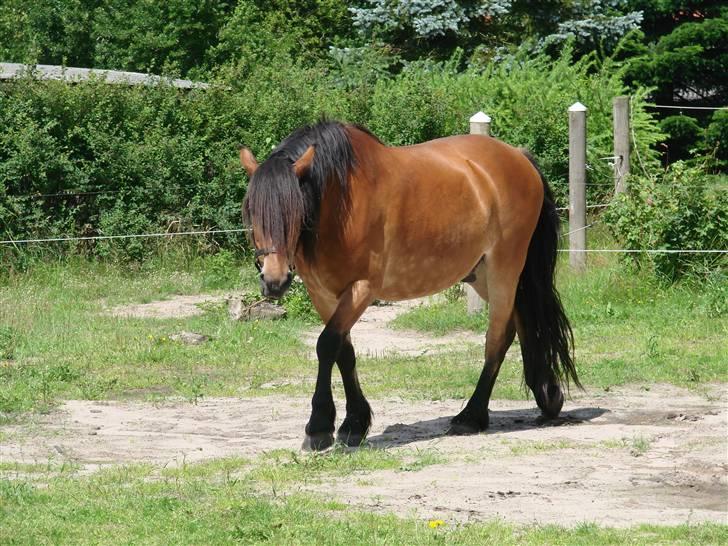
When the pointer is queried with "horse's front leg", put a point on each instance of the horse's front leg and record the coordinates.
(355, 427)
(351, 304)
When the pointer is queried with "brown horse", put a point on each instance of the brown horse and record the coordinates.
(361, 221)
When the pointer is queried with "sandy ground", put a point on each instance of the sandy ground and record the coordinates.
(631, 455)
(617, 458)
(174, 307)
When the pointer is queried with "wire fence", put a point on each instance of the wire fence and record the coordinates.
(244, 230)
(130, 236)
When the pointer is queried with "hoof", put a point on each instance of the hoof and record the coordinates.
(353, 431)
(468, 422)
(350, 439)
(318, 441)
(550, 399)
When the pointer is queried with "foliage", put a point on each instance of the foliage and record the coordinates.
(298, 305)
(683, 133)
(689, 64)
(684, 208)
(597, 24)
(140, 158)
(493, 25)
(258, 31)
(715, 141)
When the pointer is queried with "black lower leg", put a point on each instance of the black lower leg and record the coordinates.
(474, 417)
(358, 413)
(320, 427)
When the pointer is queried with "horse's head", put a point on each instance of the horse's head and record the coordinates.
(274, 209)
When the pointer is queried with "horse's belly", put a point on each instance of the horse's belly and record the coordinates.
(429, 270)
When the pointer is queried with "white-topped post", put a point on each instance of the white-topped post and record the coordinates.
(577, 186)
(479, 125)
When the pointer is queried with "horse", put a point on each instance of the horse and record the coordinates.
(361, 221)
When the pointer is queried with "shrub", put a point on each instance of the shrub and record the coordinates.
(715, 141)
(683, 133)
(684, 208)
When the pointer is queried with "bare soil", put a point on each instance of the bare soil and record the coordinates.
(175, 307)
(617, 458)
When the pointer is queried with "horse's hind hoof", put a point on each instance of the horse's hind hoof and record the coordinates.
(550, 400)
(349, 439)
(318, 441)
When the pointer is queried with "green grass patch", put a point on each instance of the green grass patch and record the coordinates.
(141, 505)
(628, 328)
(56, 342)
(442, 318)
(59, 343)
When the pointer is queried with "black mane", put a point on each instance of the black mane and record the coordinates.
(286, 209)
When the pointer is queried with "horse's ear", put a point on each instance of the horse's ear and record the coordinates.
(304, 162)
(248, 161)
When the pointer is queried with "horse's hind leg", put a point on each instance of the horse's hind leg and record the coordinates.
(501, 276)
(358, 412)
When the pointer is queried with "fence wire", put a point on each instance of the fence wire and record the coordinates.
(131, 236)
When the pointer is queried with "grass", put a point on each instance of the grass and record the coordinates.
(56, 343)
(628, 328)
(220, 502)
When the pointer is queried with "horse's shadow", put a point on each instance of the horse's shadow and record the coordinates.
(500, 421)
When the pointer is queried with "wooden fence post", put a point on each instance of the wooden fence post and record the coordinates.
(479, 125)
(577, 186)
(620, 113)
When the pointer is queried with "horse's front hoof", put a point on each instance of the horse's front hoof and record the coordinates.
(550, 399)
(468, 422)
(318, 441)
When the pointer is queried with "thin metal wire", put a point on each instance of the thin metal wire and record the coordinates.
(64, 194)
(687, 107)
(132, 236)
(579, 229)
(648, 251)
(588, 206)
(240, 230)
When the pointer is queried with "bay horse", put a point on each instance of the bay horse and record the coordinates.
(359, 221)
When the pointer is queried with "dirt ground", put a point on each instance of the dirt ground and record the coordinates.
(617, 458)
(631, 455)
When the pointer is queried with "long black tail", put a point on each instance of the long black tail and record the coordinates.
(548, 347)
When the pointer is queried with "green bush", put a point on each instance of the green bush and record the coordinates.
(715, 141)
(683, 209)
(682, 133)
(161, 159)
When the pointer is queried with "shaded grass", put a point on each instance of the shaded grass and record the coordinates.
(209, 504)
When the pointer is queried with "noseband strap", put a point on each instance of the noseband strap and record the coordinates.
(265, 251)
(262, 252)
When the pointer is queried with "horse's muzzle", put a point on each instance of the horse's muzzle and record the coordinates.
(273, 288)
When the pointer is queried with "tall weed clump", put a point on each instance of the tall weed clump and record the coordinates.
(683, 208)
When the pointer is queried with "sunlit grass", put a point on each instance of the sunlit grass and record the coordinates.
(223, 502)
